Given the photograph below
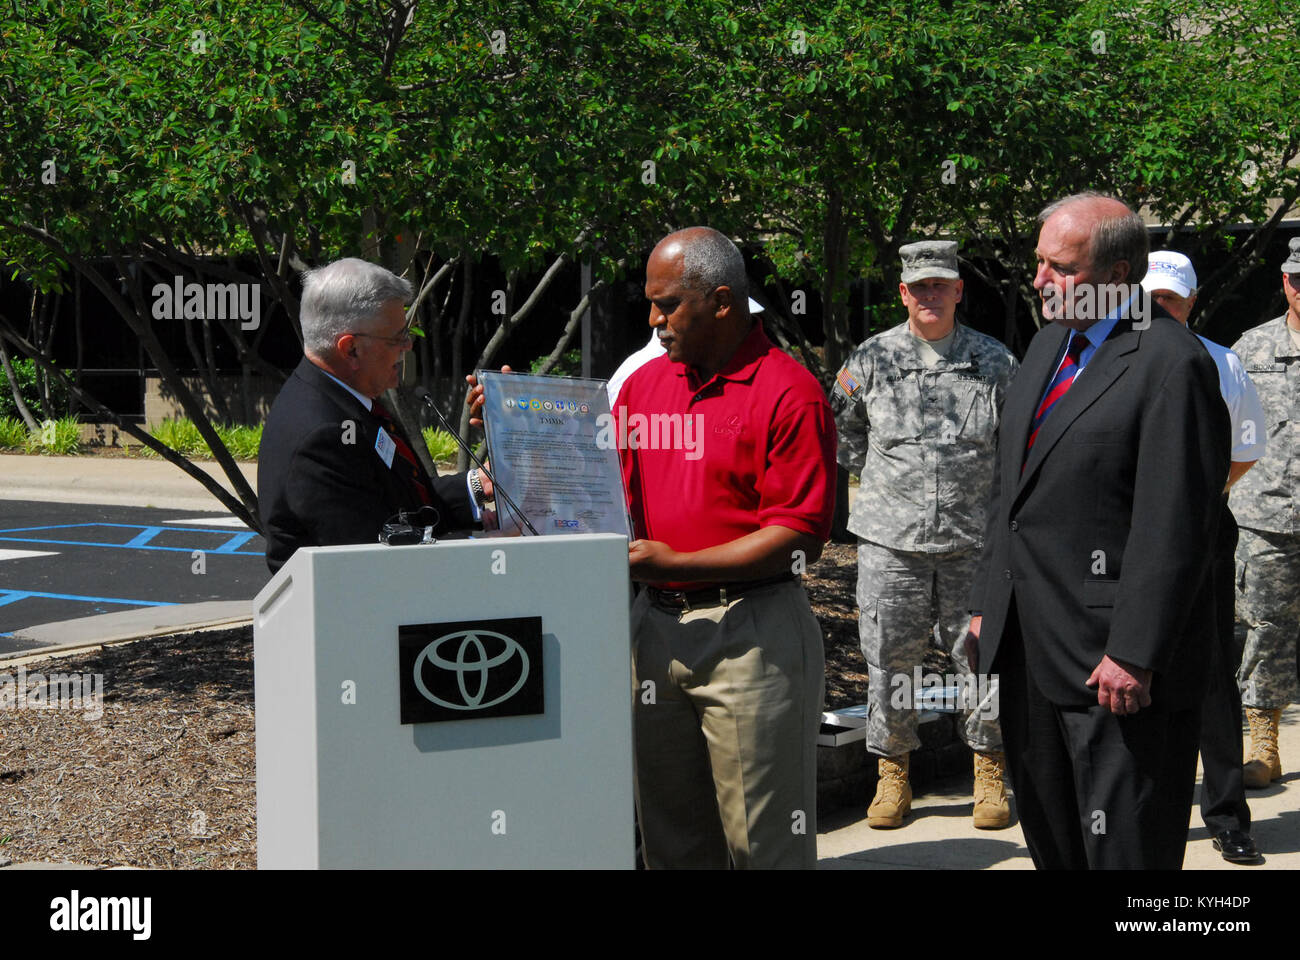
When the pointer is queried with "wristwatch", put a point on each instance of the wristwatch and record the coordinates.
(476, 486)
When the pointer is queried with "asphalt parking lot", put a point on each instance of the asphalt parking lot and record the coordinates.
(62, 561)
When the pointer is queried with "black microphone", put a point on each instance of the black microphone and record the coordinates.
(423, 396)
(406, 525)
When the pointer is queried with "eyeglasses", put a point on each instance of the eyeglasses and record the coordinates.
(1293, 279)
(400, 340)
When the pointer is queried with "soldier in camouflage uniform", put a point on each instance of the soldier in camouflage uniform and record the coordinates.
(917, 409)
(1267, 505)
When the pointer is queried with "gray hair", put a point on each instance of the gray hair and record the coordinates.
(710, 260)
(343, 297)
(1113, 238)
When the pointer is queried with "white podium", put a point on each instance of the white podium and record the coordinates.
(465, 704)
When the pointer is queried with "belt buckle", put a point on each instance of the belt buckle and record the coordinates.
(674, 598)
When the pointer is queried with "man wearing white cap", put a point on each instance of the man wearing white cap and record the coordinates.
(1171, 281)
(1267, 505)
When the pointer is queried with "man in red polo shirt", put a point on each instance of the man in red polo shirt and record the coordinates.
(729, 464)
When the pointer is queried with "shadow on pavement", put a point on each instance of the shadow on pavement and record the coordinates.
(976, 853)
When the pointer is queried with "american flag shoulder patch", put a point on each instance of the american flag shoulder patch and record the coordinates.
(847, 383)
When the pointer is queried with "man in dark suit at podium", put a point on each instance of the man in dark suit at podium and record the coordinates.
(1096, 610)
(333, 464)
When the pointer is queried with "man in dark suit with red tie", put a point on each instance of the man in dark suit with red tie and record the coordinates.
(334, 465)
(1091, 593)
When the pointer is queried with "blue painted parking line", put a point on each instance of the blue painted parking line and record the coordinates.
(67, 526)
(11, 596)
(141, 540)
(143, 537)
(234, 543)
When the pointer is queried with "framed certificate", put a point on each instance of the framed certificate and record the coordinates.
(546, 447)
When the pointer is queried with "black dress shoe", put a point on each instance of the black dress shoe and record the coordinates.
(1236, 846)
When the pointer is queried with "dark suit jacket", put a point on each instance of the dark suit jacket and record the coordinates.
(1106, 538)
(315, 490)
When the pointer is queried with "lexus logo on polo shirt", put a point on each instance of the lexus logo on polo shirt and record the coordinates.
(730, 427)
(470, 669)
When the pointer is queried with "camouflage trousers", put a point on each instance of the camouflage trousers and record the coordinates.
(1268, 601)
(902, 597)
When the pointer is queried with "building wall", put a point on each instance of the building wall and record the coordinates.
(161, 405)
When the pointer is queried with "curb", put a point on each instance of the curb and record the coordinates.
(66, 637)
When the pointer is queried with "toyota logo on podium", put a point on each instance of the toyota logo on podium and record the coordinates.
(478, 666)
(470, 669)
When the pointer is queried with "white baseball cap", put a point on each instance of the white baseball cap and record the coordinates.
(1169, 270)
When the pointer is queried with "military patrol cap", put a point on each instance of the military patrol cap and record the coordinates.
(929, 258)
(1292, 263)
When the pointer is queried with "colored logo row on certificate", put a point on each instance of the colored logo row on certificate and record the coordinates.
(560, 406)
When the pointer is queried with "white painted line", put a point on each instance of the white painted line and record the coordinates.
(20, 554)
(210, 521)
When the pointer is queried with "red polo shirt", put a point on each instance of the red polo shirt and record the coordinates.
(707, 463)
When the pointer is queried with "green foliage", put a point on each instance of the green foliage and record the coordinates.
(13, 434)
(61, 436)
(242, 441)
(442, 445)
(827, 132)
(183, 436)
(27, 373)
(569, 365)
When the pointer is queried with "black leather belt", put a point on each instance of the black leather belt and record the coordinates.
(722, 593)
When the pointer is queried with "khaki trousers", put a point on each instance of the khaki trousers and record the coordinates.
(728, 701)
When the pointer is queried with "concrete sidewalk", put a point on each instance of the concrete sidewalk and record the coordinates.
(117, 481)
(89, 633)
(939, 835)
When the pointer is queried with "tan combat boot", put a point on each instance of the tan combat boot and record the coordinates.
(992, 811)
(1263, 765)
(893, 793)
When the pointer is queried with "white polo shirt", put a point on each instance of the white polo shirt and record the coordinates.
(1249, 428)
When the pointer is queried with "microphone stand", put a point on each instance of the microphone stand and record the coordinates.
(423, 396)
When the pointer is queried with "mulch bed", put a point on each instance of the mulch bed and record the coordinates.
(166, 777)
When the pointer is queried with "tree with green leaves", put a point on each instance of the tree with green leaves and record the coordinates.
(241, 143)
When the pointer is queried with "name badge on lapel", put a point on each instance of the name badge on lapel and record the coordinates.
(385, 447)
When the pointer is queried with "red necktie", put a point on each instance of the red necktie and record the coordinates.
(1064, 378)
(412, 470)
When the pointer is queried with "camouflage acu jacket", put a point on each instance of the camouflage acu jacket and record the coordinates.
(1266, 498)
(921, 438)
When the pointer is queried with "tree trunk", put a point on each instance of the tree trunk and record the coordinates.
(458, 347)
(19, 404)
(835, 287)
(571, 328)
(79, 333)
(511, 320)
(243, 510)
(218, 397)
